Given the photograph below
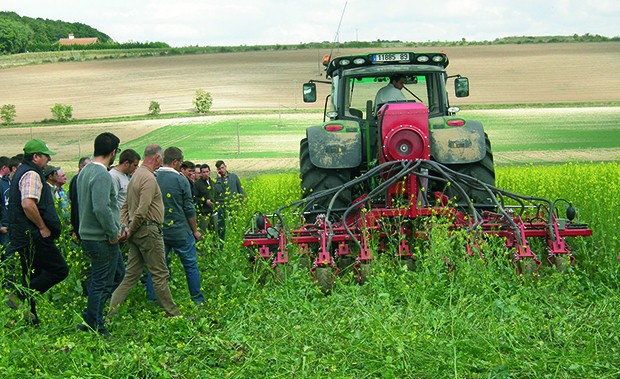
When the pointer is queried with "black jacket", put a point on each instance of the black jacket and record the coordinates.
(21, 229)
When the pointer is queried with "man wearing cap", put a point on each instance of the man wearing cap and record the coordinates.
(34, 225)
(50, 173)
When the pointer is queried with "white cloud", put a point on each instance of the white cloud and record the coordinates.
(236, 22)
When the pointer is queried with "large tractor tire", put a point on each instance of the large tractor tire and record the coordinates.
(482, 170)
(315, 179)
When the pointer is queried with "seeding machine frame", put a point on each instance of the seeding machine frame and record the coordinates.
(404, 162)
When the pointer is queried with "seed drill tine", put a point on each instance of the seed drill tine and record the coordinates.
(556, 245)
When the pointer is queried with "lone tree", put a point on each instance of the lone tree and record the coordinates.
(154, 108)
(203, 101)
(7, 114)
(62, 113)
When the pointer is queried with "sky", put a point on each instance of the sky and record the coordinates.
(263, 22)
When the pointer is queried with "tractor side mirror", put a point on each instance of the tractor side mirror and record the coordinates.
(309, 92)
(461, 87)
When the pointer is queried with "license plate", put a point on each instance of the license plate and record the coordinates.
(390, 57)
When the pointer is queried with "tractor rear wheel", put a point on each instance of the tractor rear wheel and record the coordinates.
(482, 170)
(315, 179)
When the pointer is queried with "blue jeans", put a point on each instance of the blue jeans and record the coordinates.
(186, 250)
(107, 271)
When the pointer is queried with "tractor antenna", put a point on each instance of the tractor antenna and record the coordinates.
(337, 36)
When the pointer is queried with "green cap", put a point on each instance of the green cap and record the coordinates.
(37, 146)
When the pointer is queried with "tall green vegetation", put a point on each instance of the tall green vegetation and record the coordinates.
(62, 112)
(29, 34)
(7, 114)
(202, 101)
(477, 319)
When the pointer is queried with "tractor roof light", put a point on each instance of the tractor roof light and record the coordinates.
(422, 58)
(438, 58)
(326, 59)
(359, 61)
(344, 62)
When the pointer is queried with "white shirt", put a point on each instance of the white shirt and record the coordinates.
(121, 181)
(387, 94)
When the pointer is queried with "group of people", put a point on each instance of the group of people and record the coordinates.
(153, 208)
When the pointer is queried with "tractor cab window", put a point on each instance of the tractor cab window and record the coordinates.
(417, 87)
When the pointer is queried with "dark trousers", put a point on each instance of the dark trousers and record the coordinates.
(42, 266)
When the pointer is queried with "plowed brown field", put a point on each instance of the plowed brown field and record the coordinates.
(272, 79)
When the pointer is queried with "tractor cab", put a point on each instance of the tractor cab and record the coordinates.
(355, 81)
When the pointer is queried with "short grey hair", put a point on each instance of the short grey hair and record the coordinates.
(152, 150)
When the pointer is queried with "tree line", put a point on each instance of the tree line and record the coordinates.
(21, 34)
(24, 34)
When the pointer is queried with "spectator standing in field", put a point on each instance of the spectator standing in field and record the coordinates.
(61, 196)
(143, 213)
(179, 228)
(227, 188)
(75, 224)
(51, 177)
(10, 268)
(187, 170)
(100, 230)
(128, 161)
(5, 184)
(34, 225)
(73, 198)
(205, 197)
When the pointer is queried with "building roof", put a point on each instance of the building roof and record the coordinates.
(78, 41)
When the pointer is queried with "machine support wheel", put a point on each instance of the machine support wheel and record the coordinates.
(305, 261)
(325, 279)
(363, 271)
(561, 263)
(344, 263)
(281, 272)
(410, 263)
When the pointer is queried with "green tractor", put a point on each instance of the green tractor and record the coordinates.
(354, 136)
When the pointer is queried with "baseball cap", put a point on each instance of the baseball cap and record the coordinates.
(37, 146)
(49, 169)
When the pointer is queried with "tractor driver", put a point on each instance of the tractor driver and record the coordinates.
(391, 92)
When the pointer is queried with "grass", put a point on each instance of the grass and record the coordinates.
(480, 321)
(269, 137)
(509, 131)
(572, 130)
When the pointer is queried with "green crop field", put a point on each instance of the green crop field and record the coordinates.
(477, 319)
(480, 320)
(587, 133)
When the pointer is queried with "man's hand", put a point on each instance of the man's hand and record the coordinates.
(124, 235)
(197, 236)
(114, 241)
(209, 202)
(4, 230)
(45, 232)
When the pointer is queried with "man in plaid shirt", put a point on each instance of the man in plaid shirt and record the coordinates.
(34, 225)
